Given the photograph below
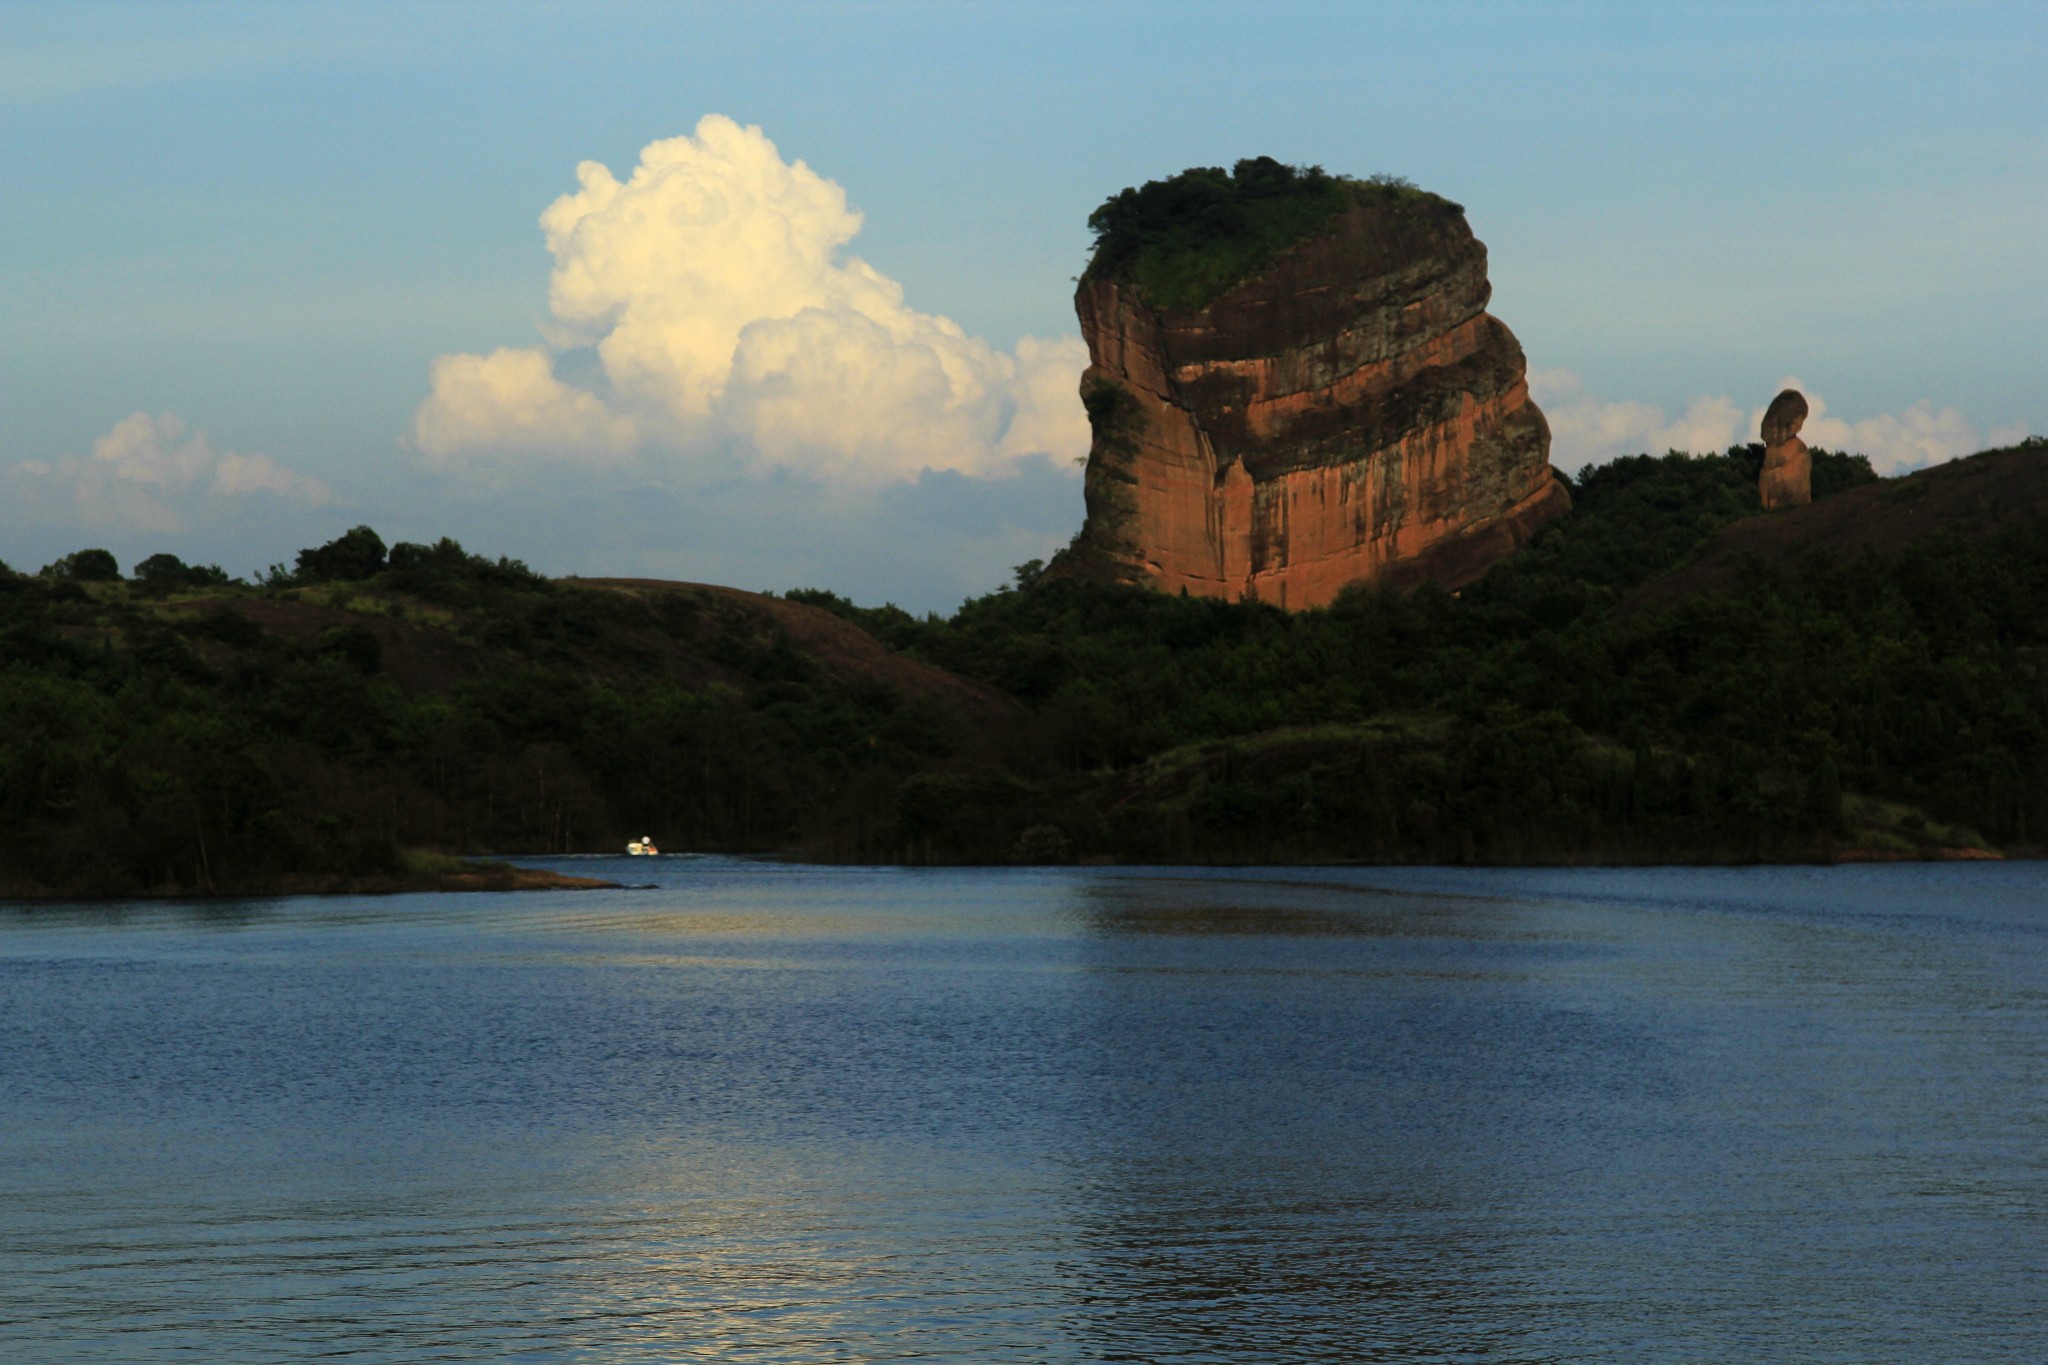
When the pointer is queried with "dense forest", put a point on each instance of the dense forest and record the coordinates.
(370, 707)
(1893, 704)
(179, 732)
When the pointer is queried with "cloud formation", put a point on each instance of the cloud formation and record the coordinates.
(148, 474)
(728, 325)
(1585, 430)
(509, 402)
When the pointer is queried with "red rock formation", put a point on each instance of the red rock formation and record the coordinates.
(1787, 478)
(1352, 412)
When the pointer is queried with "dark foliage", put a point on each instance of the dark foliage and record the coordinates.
(1894, 704)
(1186, 239)
(85, 566)
(239, 737)
(445, 573)
(349, 558)
(168, 572)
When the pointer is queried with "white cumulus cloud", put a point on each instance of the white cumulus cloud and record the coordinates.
(725, 316)
(1920, 436)
(510, 401)
(1585, 430)
(148, 474)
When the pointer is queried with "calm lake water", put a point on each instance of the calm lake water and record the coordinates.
(777, 1113)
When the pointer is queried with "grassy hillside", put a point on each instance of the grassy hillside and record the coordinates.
(1666, 674)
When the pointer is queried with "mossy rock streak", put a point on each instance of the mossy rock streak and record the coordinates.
(1114, 416)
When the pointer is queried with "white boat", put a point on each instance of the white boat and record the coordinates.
(643, 847)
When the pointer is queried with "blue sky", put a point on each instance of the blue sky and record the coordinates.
(261, 225)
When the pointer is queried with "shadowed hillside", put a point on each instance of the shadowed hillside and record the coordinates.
(180, 733)
(1802, 709)
(1666, 675)
(1981, 496)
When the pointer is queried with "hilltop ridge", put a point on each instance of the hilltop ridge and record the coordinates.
(1978, 496)
(1667, 675)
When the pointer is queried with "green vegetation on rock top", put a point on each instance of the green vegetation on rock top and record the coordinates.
(1184, 241)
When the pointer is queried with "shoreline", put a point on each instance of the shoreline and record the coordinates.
(498, 876)
(471, 877)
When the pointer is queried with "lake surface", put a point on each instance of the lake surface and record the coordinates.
(764, 1112)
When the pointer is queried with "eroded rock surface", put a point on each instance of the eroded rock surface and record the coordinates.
(1787, 478)
(1351, 412)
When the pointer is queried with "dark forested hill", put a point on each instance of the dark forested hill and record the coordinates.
(181, 733)
(1976, 499)
(1570, 705)
(1663, 675)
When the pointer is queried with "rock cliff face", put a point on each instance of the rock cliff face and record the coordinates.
(1349, 412)
(1787, 477)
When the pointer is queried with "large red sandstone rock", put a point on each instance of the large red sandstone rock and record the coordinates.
(1787, 477)
(1351, 413)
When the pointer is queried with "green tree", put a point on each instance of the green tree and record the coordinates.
(351, 557)
(86, 566)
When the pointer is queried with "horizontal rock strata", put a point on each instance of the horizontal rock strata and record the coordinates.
(1353, 412)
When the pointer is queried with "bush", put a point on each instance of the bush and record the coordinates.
(169, 571)
(86, 566)
(349, 558)
(161, 570)
(445, 572)
(354, 646)
(1835, 473)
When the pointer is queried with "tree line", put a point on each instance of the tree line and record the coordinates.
(176, 730)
